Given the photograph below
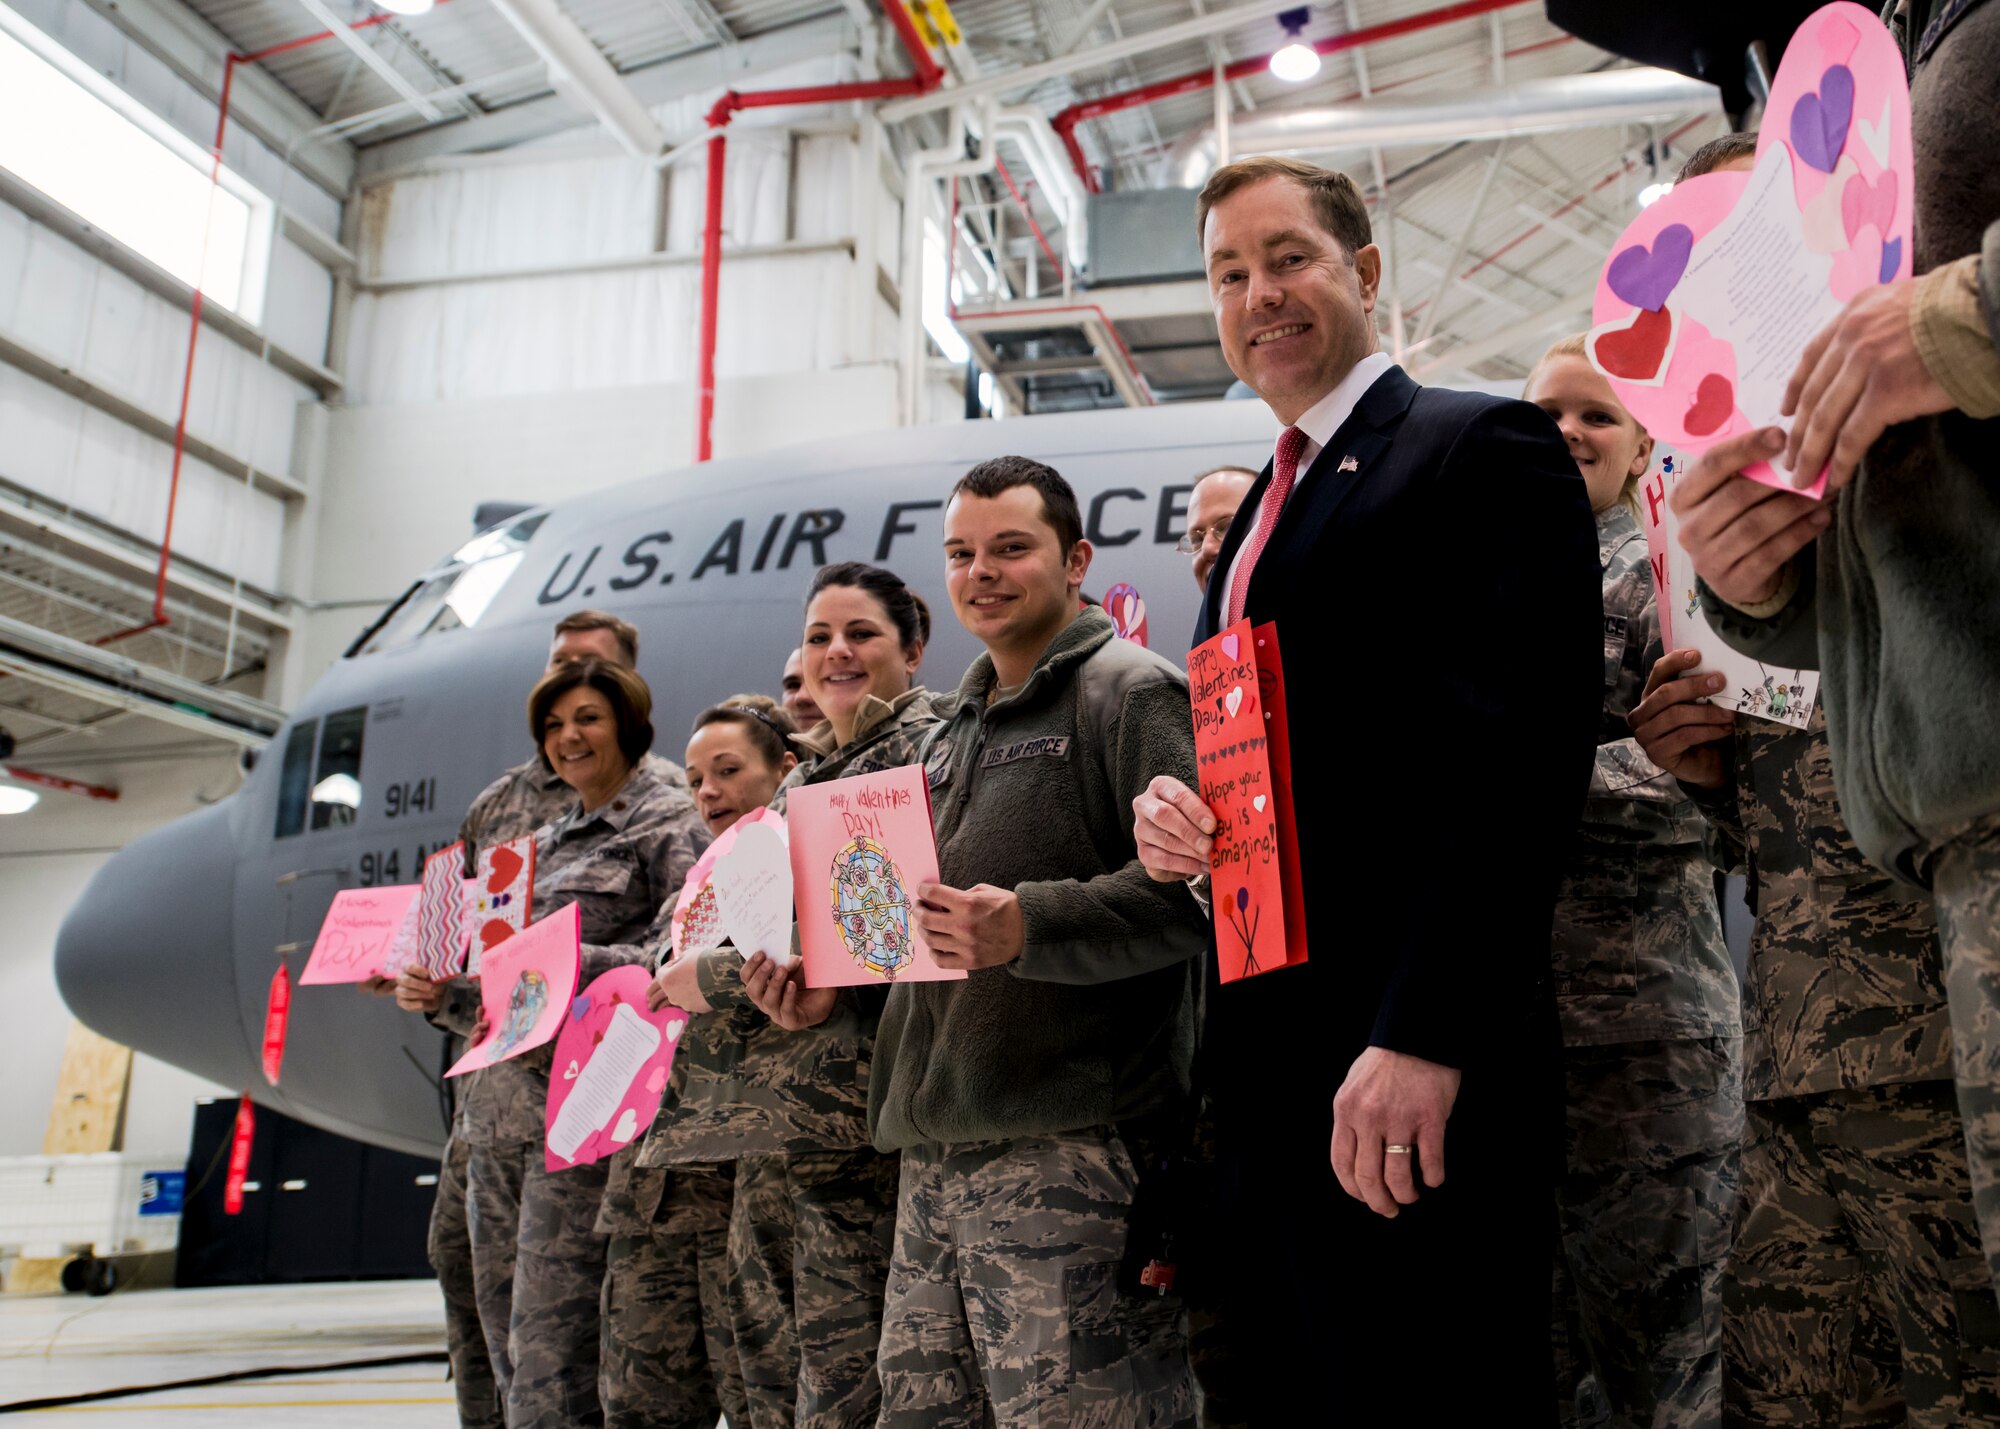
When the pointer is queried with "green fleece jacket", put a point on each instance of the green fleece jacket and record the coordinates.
(1898, 605)
(1095, 1022)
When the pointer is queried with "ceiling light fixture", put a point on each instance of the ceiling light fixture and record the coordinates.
(406, 7)
(15, 800)
(1297, 62)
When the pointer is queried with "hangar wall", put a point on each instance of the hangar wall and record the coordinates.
(61, 302)
(497, 356)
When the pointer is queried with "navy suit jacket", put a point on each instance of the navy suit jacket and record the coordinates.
(1439, 613)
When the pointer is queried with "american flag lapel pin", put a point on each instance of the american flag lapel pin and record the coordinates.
(1348, 463)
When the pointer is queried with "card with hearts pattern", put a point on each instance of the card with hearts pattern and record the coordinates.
(499, 899)
(1236, 688)
(1711, 296)
(613, 1057)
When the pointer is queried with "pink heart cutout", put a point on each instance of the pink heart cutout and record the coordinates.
(656, 1080)
(1864, 203)
(1230, 645)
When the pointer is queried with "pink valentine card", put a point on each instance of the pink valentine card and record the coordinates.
(612, 1060)
(1713, 293)
(1751, 687)
(525, 987)
(1127, 609)
(860, 847)
(358, 939)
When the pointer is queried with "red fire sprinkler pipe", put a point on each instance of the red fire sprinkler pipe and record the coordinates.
(927, 77)
(229, 63)
(1065, 123)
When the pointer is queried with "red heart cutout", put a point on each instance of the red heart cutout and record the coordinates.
(506, 867)
(1864, 203)
(494, 932)
(1714, 400)
(1635, 352)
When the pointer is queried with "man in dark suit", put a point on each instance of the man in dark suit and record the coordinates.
(1430, 561)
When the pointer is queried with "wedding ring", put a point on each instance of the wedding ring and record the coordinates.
(1398, 1150)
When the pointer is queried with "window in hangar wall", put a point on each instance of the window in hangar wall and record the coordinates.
(73, 134)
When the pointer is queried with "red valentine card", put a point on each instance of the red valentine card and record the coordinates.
(1236, 685)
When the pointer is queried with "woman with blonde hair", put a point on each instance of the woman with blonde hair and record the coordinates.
(1652, 1031)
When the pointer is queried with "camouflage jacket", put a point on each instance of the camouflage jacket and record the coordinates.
(1845, 987)
(1639, 952)
(752, 1088)
(622, 866)
(517, 803)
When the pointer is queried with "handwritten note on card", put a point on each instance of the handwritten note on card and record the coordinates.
(1236, 687)
(1751, 687)
(358, 939)
(612, 1061)
(860, 847)
(1712, 294)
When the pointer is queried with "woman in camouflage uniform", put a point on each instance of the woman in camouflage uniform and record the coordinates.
(1652, 1034)
(620, 852)
(815, 1202)
(652, 1348)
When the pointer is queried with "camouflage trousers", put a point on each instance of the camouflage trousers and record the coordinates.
(1965, 884)
(669, 1351)
(1005, 1304)
(1647, 1206)
(536, 1228)
(450, 1248)
(809, 1243)
(1857, 1294)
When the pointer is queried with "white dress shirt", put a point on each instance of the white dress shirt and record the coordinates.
(1319, 423)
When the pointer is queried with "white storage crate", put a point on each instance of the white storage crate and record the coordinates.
(107, 1203)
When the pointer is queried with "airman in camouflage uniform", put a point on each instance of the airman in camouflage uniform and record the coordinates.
(478, 1293)
(517, 803)
(1965, 879)
(622, 866)
(1856, 1292)
(815, 1203)
(1652, 1059)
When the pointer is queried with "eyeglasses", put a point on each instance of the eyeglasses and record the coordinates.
(1198, 537)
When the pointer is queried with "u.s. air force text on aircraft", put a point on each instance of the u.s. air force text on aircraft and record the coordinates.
(807, 540)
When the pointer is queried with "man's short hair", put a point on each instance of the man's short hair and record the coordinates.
(1717, 152)
(624, 631)
(1003, 473)
(1336, 202)
(630, 699)
(1223, 471)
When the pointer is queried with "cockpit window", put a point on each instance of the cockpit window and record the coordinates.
(458, 592)
(295, 780)
(336, 790)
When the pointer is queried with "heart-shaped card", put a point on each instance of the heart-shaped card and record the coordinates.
(615, 1057)
(1712, 294)
(753, 885)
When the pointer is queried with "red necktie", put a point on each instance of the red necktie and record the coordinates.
(1291, 442)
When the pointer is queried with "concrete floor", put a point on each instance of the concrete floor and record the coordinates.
(69, 1344)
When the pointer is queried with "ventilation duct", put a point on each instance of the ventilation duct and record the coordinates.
(1536, 106)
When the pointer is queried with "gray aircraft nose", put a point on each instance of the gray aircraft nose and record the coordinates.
(146, 956)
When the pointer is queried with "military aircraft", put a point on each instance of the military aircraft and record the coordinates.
(172, 947)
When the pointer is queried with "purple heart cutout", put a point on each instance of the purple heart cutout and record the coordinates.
(578, 1007)
(1819, 121)
(1645, 277)
(1892, 258)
